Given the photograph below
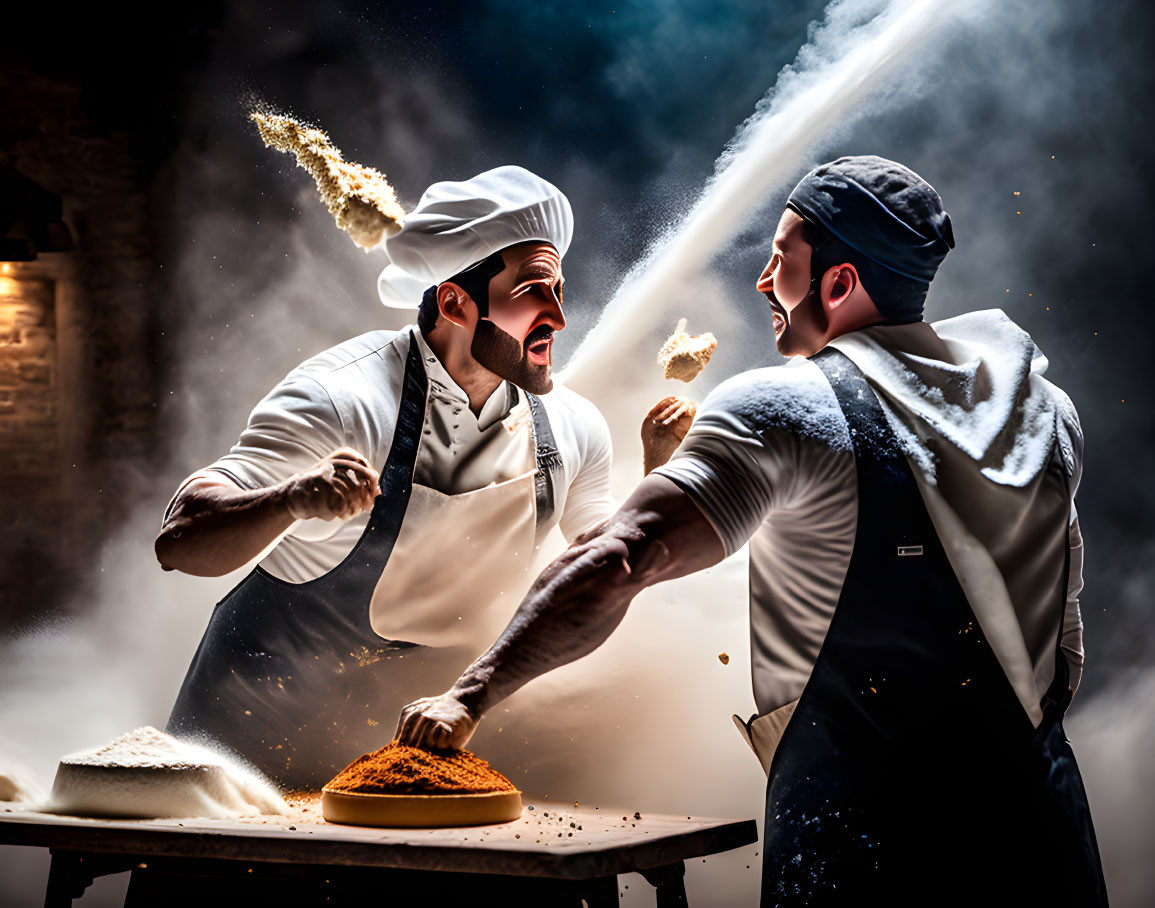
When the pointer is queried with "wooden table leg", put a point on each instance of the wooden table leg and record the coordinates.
(71, 872)
(670, 882)
(67, 879)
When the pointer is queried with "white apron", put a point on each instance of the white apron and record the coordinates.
(460, 565)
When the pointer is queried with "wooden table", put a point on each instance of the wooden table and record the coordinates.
(553, 855)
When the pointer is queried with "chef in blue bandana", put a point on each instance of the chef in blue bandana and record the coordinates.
(400, 482)
(907, 493)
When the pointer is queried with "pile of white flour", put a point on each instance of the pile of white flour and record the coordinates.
(147, 773)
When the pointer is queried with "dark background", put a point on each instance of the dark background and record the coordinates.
(625, 106)
(205, 268)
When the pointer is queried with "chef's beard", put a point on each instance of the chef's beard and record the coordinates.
(805, 325)
(502, 355)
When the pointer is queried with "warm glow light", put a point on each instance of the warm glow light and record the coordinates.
(8, 286)
(6, 269)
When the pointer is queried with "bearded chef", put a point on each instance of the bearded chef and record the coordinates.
(404, 480)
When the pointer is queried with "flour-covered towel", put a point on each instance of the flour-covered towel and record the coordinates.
(994, 406)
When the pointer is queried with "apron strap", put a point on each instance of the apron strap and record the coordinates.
(397, 475)
(877, 453)
(546, 457)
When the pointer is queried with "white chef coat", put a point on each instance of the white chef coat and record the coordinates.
(769, 460)
(349, 395)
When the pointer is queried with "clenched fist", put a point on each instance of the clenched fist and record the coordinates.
(341, 484)
(663, 430)
(436, 722)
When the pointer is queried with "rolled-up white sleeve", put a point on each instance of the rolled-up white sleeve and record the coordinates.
(589, 501)
(764, 440)
(290, 430)
(719, 465)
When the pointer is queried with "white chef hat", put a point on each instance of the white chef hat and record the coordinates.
(456, 225)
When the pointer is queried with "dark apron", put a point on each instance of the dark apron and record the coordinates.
(909, 773)
(290, 675)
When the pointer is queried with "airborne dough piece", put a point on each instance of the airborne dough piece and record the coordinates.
(362, 203)
(683, 356)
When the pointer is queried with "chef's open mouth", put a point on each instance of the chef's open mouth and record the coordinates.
(538, 348)
(778, 315)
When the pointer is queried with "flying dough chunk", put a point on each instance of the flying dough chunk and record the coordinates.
(684, 355)
(361, 201)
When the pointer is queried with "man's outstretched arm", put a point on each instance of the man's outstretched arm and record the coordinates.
(214, 526)
(573, 607)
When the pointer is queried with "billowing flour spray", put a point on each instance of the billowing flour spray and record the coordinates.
(861, 51)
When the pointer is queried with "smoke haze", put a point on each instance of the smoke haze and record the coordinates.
(644, 118)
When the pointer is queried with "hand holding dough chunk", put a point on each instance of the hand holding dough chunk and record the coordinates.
(341, 484)
(663, 430)
(684, 355)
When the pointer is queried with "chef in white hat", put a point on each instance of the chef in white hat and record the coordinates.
(404, 480)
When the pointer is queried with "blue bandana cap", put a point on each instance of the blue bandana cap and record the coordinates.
(884, 210)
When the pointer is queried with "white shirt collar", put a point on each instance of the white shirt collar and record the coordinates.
(496, 408)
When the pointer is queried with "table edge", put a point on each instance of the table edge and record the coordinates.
(276, 846)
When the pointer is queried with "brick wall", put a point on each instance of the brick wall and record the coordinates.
(28, 443)
(77, 352)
